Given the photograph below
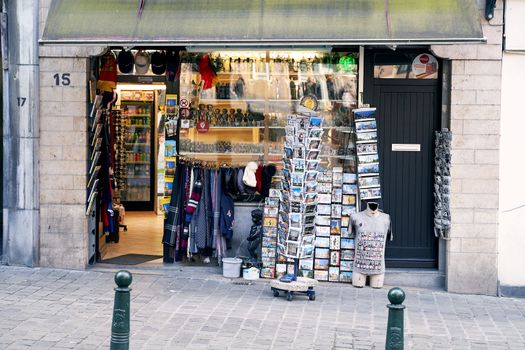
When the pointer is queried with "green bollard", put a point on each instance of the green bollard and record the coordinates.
(395, 327)
(120, 323)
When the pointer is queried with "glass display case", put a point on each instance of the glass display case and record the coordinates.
(239, 114)
(137, 109)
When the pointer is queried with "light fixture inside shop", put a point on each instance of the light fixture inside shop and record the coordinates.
(237, 49)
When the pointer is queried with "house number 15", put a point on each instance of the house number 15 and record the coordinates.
(62, 79)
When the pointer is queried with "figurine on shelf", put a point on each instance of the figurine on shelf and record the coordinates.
(209, 115)
(231, 120)
(245, 119)
(217, 118)
(238, 117)
(224, 118)
(251, 118)
(194, 113)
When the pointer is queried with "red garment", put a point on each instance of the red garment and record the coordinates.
(107, 76)
(258, 177)
(207, 72)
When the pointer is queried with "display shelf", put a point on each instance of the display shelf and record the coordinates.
(214, 100)
(138, 162)
(139, 126)
(137, 177)
(138, 115)
(141, 144)
(219, 154)
(227, 128)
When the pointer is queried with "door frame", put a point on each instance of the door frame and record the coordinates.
(369, 83)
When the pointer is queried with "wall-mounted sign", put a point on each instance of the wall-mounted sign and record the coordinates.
(406, 147)
(424, 65)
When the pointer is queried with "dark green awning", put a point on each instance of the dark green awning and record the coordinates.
(262, 22)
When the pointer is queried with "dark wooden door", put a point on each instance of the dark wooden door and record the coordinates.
(407, 114)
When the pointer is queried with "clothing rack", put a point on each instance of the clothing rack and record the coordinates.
(208, 164)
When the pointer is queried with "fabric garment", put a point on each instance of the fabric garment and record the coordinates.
(258, 177)
(107, 76)
(227, 215)
(370, 241)
(172, 223)
(267, 174)
(249, 178)
(196, 222)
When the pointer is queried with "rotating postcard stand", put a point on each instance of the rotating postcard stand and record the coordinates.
(295, 232)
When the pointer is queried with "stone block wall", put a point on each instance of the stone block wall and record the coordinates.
(63, 162)
(472, 251)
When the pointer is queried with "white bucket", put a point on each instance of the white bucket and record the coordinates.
(231, 267)
(250, 274)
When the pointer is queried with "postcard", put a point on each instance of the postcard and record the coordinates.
(322, 231)
(321, 264)
(349, 199)
(322, 220)
(324, 209)
(348, 210)
(335, 242)
(334, 258)
(312, 164)
(335, 227)
(363, 137)
(347, 265)
(337, 195)
(322, 253)
(347, 243)
(321, 275)
(315, 133)
(348, 254)
(333, 274)
(370, 193)
(345, 277)
(336, 211)
(365, 125)
(349, 178)
(366, 148)
(322, 242)
(324, 198)
(368, 159)
(369, 181)
(349, 189)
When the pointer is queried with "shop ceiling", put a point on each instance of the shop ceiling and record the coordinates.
(262, 23)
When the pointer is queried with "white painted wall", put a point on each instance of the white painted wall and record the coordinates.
(511, 243)
(512, 172)
(514, 24)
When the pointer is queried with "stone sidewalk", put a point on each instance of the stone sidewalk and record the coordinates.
(196, 309)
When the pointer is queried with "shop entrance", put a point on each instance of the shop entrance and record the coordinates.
(408, 114)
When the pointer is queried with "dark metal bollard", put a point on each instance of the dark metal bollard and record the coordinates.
(395, 332)
(120, 323)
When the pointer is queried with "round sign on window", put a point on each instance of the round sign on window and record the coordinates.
(424, 65)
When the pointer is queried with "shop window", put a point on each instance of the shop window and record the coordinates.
(244, 107)
(422, 66)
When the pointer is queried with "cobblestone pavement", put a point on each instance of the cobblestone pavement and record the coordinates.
(196, 309)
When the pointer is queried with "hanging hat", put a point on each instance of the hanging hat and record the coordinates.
(172, 64)
(158, 62)
(125, 61)
(141, 62)
(107, 75)
(249, 174)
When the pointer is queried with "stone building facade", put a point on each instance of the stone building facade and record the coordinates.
(470, 262)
